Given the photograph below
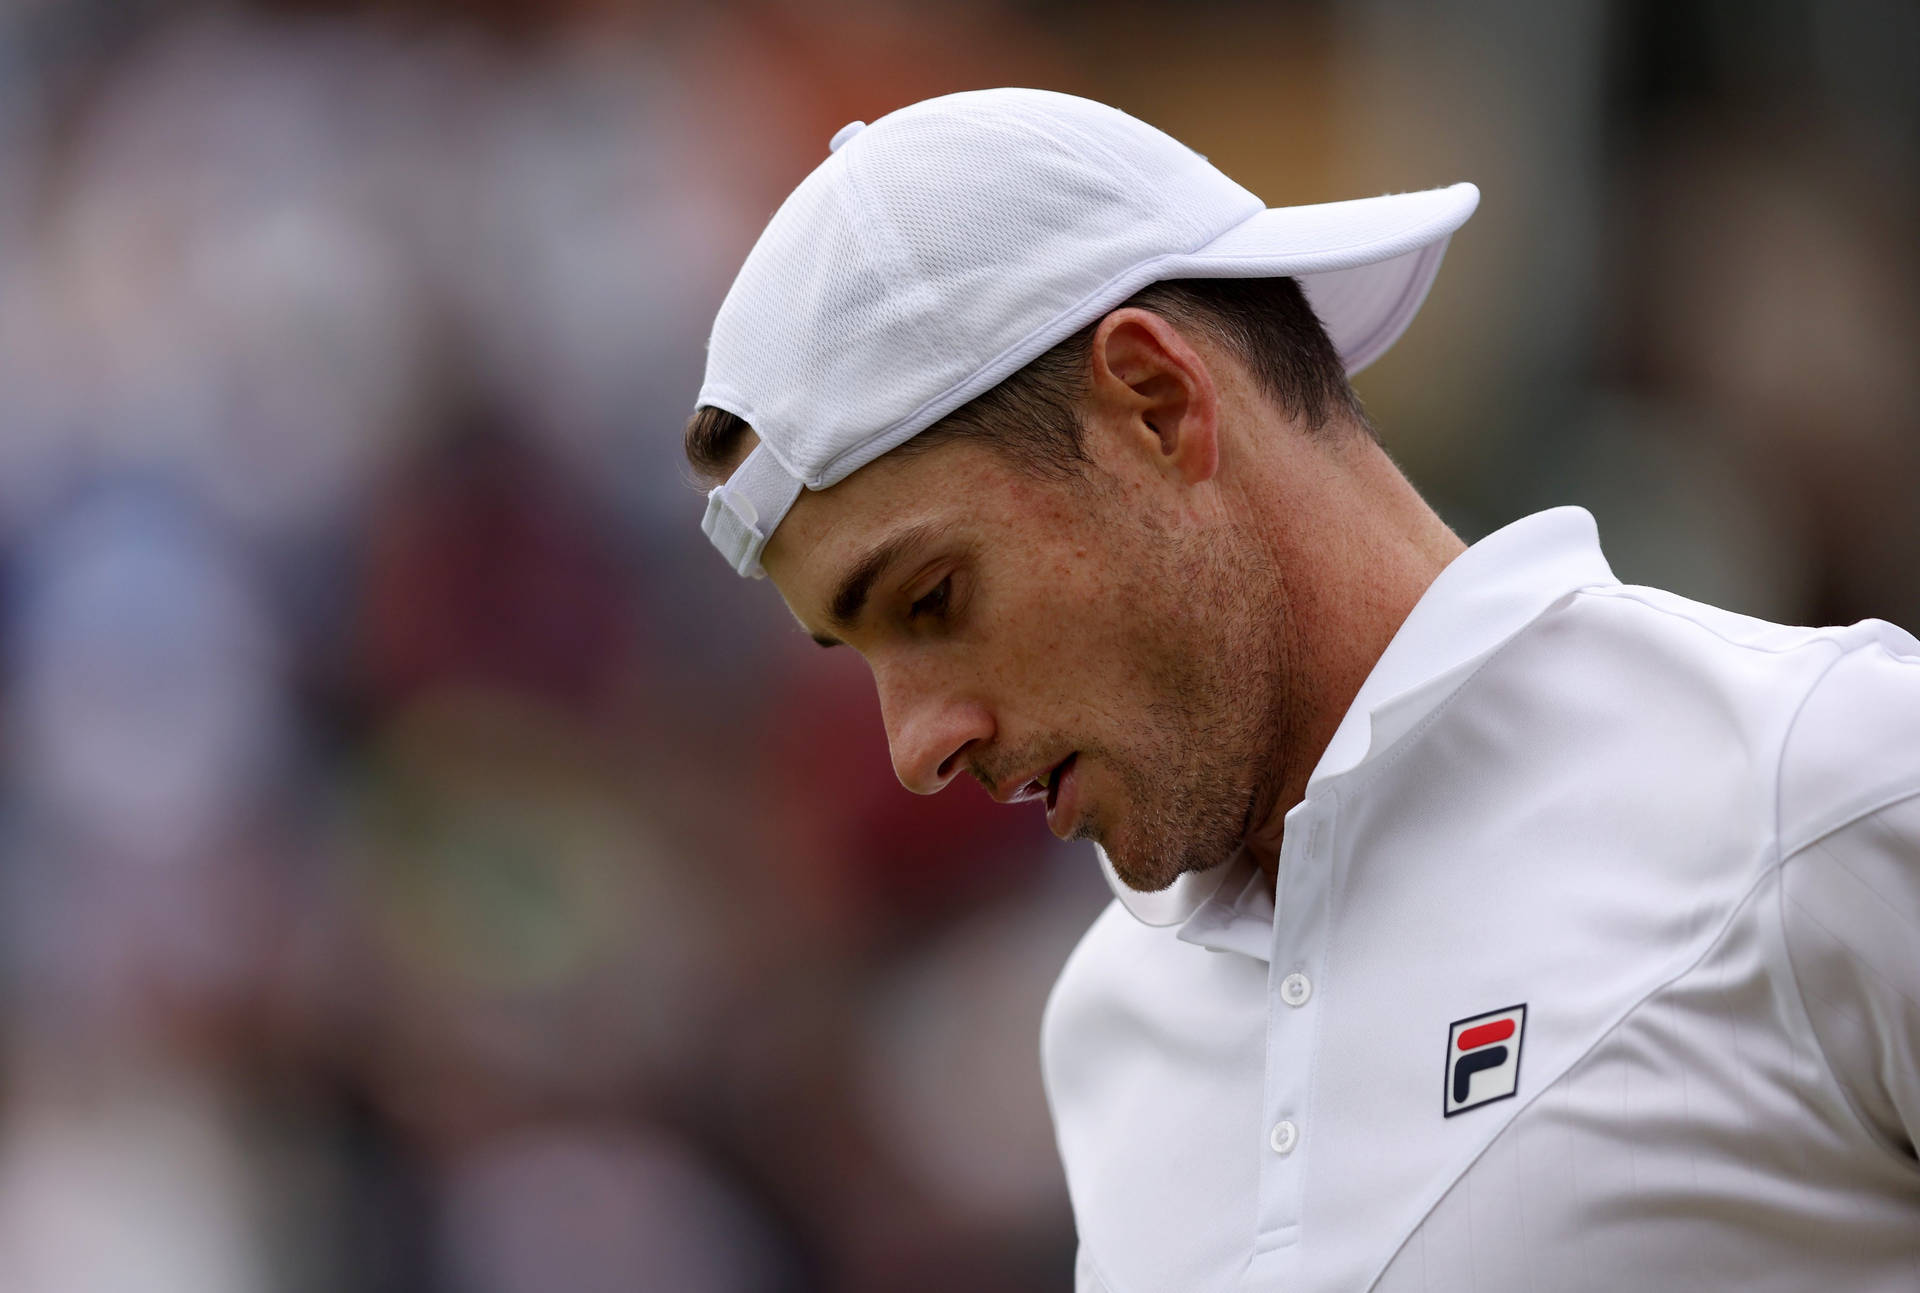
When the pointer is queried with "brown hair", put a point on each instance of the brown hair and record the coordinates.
(1032, 415)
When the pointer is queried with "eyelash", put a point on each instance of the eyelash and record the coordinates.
(935, 602)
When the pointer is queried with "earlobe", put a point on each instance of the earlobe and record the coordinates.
(1148, 380)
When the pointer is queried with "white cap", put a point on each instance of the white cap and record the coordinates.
(938, 251)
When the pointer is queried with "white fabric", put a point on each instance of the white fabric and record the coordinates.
(1470, 609)
(1687, 841)
(743, 510)
(940, 249)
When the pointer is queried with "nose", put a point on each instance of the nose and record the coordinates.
(929, 729)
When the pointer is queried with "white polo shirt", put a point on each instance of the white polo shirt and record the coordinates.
(1595, 965)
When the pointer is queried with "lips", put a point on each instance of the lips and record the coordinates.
(1056, 785)
(1063, 797)
(1052, 781)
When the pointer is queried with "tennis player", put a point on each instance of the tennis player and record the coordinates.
(1481, 922)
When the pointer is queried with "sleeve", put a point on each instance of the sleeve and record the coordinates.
(1850, 881)
(1852, 918)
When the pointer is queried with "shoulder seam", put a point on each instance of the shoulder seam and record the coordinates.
(1821, 829)
(1783, 854)
(1781, 903)
(1852, 817)
(1814, 636)
(1786, 743)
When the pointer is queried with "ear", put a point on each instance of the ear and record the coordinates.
(1152, 390)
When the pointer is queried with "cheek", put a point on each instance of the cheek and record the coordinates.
(1068, 632)
(1077, 644)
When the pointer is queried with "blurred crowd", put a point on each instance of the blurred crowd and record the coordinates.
(424, 868)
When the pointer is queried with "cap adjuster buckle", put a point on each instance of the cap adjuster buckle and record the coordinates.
(743, 511)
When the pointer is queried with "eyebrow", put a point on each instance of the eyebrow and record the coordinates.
(850, 598)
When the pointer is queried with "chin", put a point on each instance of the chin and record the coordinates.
(1148, 871)
(1151, 865)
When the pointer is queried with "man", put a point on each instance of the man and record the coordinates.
(1482, 923)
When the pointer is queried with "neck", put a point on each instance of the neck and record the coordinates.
(1357, 547)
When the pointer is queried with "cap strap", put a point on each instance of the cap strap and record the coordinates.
(744, 510)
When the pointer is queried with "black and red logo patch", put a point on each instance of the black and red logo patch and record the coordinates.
(1483, 1058)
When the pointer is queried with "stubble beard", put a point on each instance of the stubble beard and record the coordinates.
(1206, 765)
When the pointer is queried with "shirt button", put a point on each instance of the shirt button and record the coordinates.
(1285, 1136)
(1295, 989)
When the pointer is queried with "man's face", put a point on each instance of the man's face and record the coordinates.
(1087, 643)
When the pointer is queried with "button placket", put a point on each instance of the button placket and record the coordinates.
(1297, 978)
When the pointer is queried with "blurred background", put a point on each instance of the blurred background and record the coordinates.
(424, 867)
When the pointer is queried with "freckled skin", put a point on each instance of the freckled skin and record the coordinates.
(1189, 617)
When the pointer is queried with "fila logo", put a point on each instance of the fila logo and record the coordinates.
(1483, 1059)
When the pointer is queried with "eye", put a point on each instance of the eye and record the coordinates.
(934, 603)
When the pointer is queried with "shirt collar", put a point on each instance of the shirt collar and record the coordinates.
(1486, 595)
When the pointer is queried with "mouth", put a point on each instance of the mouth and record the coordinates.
(1057, 786)
(1050, 785)
(1041, 785)
(1062, 801)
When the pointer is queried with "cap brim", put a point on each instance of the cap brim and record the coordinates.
(1365, 265)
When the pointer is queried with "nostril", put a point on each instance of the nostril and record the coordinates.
(951, 764)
